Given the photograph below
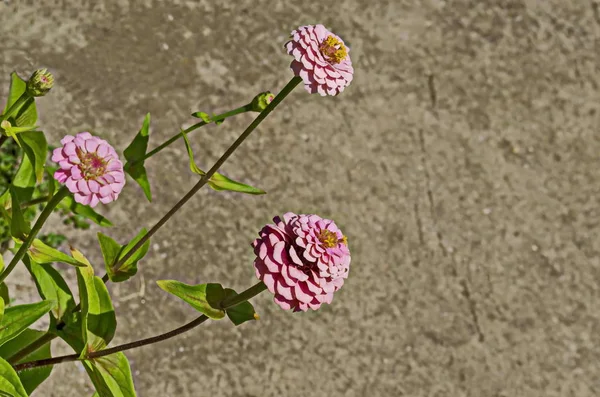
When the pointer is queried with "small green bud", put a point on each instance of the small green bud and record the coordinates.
(262, 100)
(40, 82)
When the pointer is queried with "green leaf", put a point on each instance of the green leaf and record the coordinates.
(4, 295)
(111, 250)
(18, 318)
(24, 181)
(218, 181)
(85, 211)
(193, 167)
(19, 228)
(98, 321)
(71, 331)
(205, 298)
(35, 146)
(111, 375)
(51, 286)
(221, 182)
(32, 378)
(42, 253)
(201, 115)
(10, 384)
(26, 114)
(1, 308)
(134, 153)
(242, 312)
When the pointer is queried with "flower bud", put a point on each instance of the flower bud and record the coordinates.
(40, 82)
(261, 101)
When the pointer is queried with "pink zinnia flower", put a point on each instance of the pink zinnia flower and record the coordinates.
(302, 259)
(90, 168)
(321, 59)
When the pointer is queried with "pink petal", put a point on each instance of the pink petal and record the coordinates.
(71, 185)
(284, 291)
(269, 281)
(94, 200)
(300, 291)
(282, 302)
(91, 145)
(94, 186)
(278, 252)
(66, 139)
(76, 173)
(82, 199)
(83, 187)
(102, 150)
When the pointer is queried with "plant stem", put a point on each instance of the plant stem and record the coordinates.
(18, 103)
(278, 99)
(57, 198)
(244, 296)
(261, 116)
(27, 350)
(220, 117)
(35, 201)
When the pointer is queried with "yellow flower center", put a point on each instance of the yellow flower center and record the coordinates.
(91, 166)
(333, 49)
(329, 239)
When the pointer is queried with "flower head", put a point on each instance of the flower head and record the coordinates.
(262, 100)
(90, 168)
(40, 82)
(302, 259)
(321, 59)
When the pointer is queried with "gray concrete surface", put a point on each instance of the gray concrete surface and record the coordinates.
(462, 163)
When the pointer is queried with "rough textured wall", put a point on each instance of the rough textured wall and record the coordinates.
(462, 163)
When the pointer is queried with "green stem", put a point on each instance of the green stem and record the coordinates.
(220, 117)
(27, 350)
(19, 102)
(261, 116)
(57, 198)
(35, 201)
(243, 297)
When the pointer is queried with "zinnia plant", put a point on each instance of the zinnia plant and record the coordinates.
(301, 259)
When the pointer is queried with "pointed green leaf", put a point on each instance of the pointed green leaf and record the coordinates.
(218, 181)
(18, 318)
(10, 384)
(111, 250)
(1, 309)
(134, 154)
(35, 146)
(201, 115)
(98, 321)
(26, 114)
(203, 297)
(51, 286)
(42, 253)
(32, 378)
(24, 181)
(85, 211)
(19, 228)
(240, 313)
(193, 167)
(221, 182)
(111, 375)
